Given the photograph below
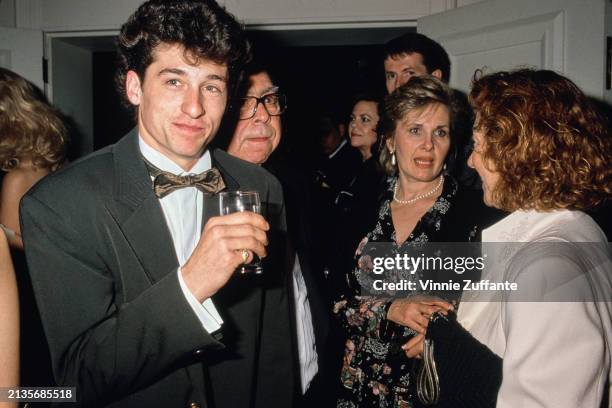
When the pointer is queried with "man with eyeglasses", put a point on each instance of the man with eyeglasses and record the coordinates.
(258, 131)
(256, 136)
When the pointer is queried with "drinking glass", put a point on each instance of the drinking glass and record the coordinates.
(239, 201)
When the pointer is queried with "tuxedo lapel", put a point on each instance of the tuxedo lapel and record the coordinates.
(148, 234)
(144, 226)
(230, 182)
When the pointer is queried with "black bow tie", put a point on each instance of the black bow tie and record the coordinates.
(164, 182)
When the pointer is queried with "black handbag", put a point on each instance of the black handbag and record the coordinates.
(457, 370)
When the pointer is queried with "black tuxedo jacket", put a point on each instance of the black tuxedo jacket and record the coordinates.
(104, 272)
(299, 201)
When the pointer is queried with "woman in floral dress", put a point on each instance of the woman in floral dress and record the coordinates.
(423, 204)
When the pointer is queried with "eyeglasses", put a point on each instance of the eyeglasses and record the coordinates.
(274, 103)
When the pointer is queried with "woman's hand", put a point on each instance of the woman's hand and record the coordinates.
(415, 312)
(414, 347)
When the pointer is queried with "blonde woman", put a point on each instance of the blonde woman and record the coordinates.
(424, 204)
(32, 144)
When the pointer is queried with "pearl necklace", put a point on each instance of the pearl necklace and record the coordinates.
(418, 197)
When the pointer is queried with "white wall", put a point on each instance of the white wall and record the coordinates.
(461, 3)
(22, 51)
(563, 35)
(7, 13)
(74, 15)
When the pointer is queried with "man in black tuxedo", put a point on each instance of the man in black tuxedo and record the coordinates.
(336, 167)
(257, 135)
(132, 267)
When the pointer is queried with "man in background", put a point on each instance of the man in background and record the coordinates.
(339, 160)
(414, 54)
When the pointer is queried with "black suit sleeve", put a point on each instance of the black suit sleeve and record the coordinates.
(105, 347)
(277, 373)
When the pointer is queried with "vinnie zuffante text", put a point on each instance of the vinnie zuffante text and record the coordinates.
(430, 285)
(422, 263)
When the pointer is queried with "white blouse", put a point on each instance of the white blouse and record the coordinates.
(555, 353)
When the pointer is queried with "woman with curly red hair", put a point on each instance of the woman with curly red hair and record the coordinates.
(32, 144)
(543, 153)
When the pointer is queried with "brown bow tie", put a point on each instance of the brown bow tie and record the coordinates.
(164, 183)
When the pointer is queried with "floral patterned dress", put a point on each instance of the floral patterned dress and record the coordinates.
(375, 371)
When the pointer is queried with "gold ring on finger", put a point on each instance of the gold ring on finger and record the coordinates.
(245, 255)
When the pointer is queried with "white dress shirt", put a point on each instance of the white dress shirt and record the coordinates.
(305, 332)
(555, 353)
(183, 209)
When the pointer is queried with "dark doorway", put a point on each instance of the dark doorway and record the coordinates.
(111, 119)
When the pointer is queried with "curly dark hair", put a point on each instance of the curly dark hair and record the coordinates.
(205, 30)
(30, 127)
(549, 144)
(434, 55)
(417, 93)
